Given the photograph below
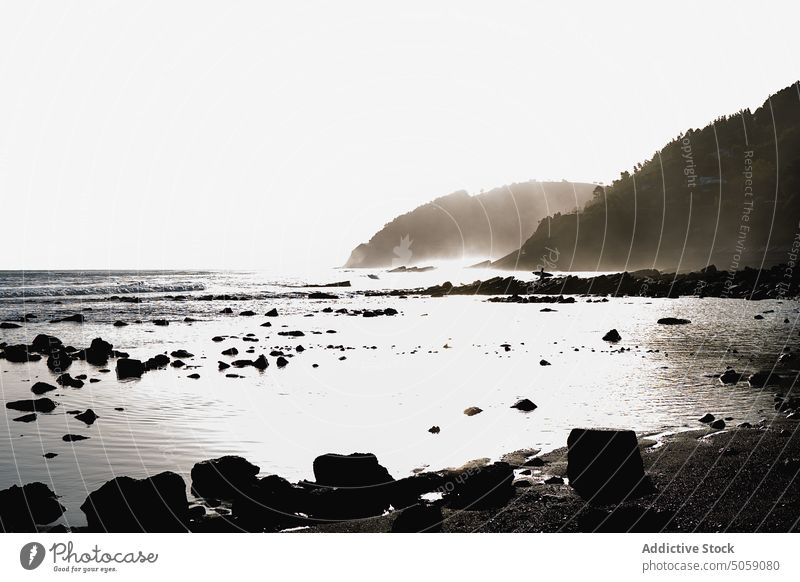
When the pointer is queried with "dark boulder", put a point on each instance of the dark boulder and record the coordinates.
(524, 405)
(19, 354)
(71, 438)
(58, 361)
(34, 405)
(730, 377)
(181, 354)
(69, 381)
(77, 318)
(88, 416)
(230, 352)
(673, 321)
(472, 411)
(605, 466)
(45, 344)
(26, 418)
(156, 362)
(226, 477)
(247, 313)
(479, 487)
(420, 518)
(120, 323)
(98, 352)
(281, 362)
(23, 508)
(9, 325)
(261, 363)
(126, 505)
(718, 424)
(544, 363)
(270, 504)
(764, 378)
(129, 368)
(612, 336)
(272, 313)
(42, 388)
(161, 322)
(353, 470)
(706, 418)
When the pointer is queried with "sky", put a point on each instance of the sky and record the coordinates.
(272, 136)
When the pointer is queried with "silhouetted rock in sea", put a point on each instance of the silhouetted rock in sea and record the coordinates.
(126, 505)
(19, 354)
(69, 381)
(420, 518)
(77, 318)
(673, 321)
(475, 487)
(226, 477)
(764, 378)
(524, 405)
(26, 417)
(33, 405)
(87, 417)
(605, 466)
(42, 388)
(270, 504)
(730, 377)
(45, 344)
(129, 368)
(612, 336)
(23, 508)
(98, 352)
(9, 325)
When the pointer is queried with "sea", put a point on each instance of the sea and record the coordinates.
(362, 384)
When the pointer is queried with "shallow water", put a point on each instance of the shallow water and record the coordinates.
(379, 400)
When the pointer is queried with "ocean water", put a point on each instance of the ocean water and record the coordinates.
(400, 376)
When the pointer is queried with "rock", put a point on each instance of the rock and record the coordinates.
(129, 368)
(353, 470)
(281, 362)
(226, 477)
(50, 455)
(42, 388)
(160, 322)
(764, 378)
(730, 377)
(472, 411)
(23, 508)
(77, 318)
(217, 338)
(272, 313)
(554, 481)
(156, 504)
(156, 362)
(9, 325)
(706, 418)
(291, 333)
(45, 344)
(26, 417)
(181, 354)
(88, 416)
(718, 424)
(605, 466)
(758, 317)
(534, 462)
(247, 313)
(744, 425)
(524, 405)
(673, 321)
(544, 363)
(98, 352)
(119, 323)
(270, 504)
(35, 405)
(71, 438)
(266, 324)
(261, 363)
(612, 336)
(434, 430)
(19, 354)
(193, 376)
(178, 364)
(230, 352)
(223, 365)
(420, 518)
(479, 487)
(69, 381)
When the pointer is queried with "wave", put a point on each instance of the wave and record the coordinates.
(101, 290)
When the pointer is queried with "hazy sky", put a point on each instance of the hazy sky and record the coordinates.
(263, 135)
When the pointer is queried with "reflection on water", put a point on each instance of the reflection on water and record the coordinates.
(396, 382)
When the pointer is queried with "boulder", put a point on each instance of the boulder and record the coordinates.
(230, 352)
(281, 362)
(673, 321)
(42, 388)
(718, 424)
(353, 470)
(605, 466)
(19, 354)
(26, 418)
(88, 416)
(270, 504)
(764, 378)
(247, 313)
(71, 438)
(45, 344)
(161, 322)
(479, 487)
(156, 362)
(33, 405)
(120, 323)
(472, 411)
(77, 318)
(58, 361)
(730, 377)
(420, 518)
(272, 313)
(226, 477)
(706, 418)
(69, 381)
(544, 363)
(261, 363)
(9, 325)
(129, 368)
(124, 505)
(524, 405)
(98, 352)
(23, 508)
(612, 336)
(181, 354)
